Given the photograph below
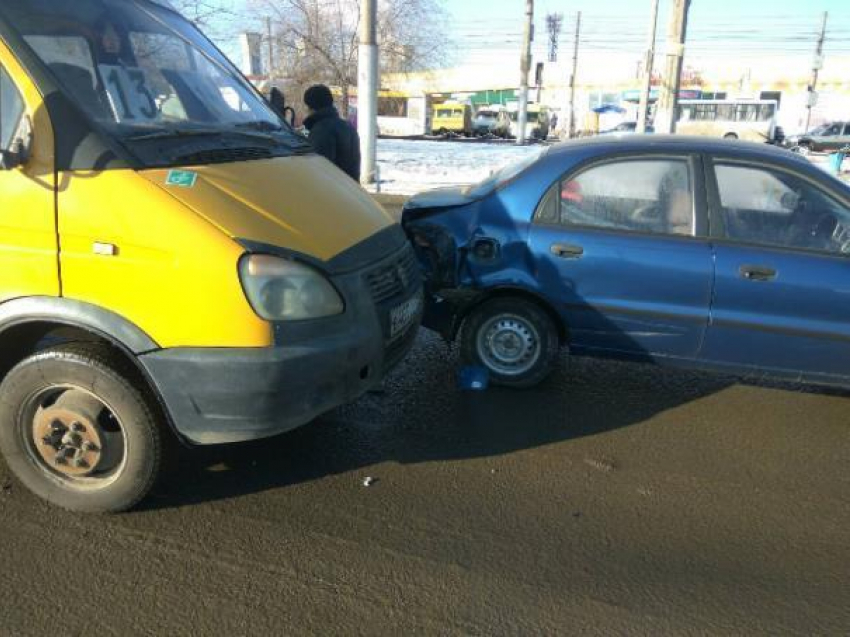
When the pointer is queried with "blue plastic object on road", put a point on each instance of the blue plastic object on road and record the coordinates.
(474, 378)
(835, 161)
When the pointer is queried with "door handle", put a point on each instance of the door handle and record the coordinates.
(757, 273)
(567, 251)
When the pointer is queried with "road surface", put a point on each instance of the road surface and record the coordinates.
(615, 499)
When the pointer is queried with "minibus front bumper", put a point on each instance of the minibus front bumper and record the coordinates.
(224, 395)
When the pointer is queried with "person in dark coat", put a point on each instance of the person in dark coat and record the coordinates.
(330, 135)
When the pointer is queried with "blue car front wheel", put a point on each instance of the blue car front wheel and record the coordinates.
(514, 339)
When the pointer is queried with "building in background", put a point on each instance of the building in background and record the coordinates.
(406, 100)
(250, 45)
(606, 80)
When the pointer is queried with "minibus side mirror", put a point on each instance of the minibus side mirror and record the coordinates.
(13, 157)
(19, 149)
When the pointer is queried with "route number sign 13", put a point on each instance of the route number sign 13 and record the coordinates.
(129, 95)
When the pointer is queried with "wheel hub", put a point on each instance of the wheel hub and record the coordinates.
(509, 345)
(67, 435)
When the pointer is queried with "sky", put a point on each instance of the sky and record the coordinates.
(468, 9)
(717, 28)
(491, 30)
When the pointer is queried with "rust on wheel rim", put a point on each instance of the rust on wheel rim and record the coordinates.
(67, 435)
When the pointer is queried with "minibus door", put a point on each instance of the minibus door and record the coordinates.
(28, 236)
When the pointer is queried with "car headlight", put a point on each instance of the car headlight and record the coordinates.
(283, 290)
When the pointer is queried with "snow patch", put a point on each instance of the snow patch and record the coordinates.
(407, 167)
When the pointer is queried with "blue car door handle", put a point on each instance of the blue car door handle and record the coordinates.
(757, 273)
(567, 251)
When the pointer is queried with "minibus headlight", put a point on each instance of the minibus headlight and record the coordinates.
(283, 290)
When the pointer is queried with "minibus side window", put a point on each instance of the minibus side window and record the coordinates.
(11, 109)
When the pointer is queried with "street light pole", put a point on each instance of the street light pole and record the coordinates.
(524, 68)
(668, 100)
(572, 125)
(816, 66)
(646, 84)
(367, 91)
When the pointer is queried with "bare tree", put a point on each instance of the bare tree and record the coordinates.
(412, 34)
(317, 40)
(216, 17)
(199, 11)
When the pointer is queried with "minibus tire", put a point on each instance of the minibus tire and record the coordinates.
(74, 378)
(519, 318)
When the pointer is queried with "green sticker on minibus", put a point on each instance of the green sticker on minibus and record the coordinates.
(182, 178)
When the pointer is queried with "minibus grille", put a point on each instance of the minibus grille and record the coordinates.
(396, 350)
(225, 155)
(392, 279)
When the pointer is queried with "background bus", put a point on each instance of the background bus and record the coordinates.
(753, 120)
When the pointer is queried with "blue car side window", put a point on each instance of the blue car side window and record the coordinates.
(775, 208)
(653, 196)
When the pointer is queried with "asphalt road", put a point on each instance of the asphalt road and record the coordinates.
(616, 499)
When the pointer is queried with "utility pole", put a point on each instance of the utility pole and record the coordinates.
(367, 90)
(524, 67)
(572, 127)
(816, 67)
(668, 100)
(646, 82)
(270, 44)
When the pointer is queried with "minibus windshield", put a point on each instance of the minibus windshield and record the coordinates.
(142, 71)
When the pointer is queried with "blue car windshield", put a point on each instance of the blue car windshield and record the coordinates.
(503, 175)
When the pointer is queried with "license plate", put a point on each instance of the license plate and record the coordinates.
(403, 315)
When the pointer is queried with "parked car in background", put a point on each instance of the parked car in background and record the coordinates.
(537, 123)
(485, 121)
(625, 128)
(827, 138)
(676, 250)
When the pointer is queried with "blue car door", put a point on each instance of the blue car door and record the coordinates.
(620, 248)
(782, 250)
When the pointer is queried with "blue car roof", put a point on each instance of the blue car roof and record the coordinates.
(678, 143)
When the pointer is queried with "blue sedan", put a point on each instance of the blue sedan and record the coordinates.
(675, 250)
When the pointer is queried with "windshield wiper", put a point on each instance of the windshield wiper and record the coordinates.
(289, 138)
(196, 132)
(170, 132)
(261, 125)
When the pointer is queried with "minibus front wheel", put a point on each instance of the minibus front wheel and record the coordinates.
(77, 431)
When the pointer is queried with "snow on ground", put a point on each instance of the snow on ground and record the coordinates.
(407, 167)
(410, 166)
